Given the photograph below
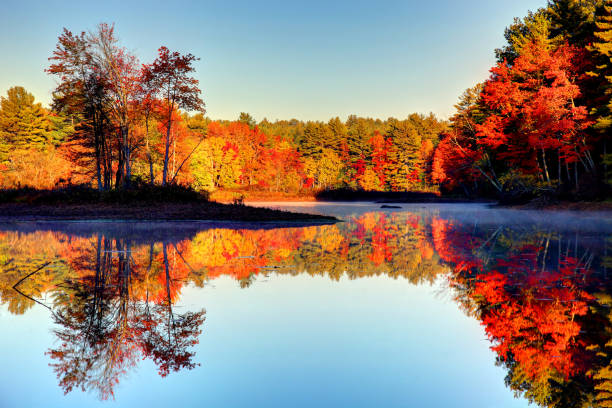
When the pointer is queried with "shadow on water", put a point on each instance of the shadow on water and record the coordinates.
(538, 284)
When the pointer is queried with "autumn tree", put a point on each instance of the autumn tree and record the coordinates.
(216, 163)
(82, 94)
(171, 76)
(533, 114)
(120, 69)
(380, 156)
(325, 170)
(148, 109)
(534, 130)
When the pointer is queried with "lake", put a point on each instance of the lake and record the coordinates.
(423, 305)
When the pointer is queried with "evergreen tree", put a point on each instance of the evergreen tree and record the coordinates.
(24, 123)
(337, 133)
(317, 136)
(601, 50)
(247, 119)
(404, 156)
(573, 20)
(358, 135)
(534, 27)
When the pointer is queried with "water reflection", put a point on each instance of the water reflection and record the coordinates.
(543, 297)
(111, 304)
(540, 290)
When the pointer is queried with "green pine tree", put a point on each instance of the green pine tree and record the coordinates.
(601, 50)
(573, 20)
(403, 154)
(25, 124)
(317, 136)
(338, 134)
(358, 135)
(534, 27)
(247, 119)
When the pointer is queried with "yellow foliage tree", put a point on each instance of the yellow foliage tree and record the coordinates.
(216, 164)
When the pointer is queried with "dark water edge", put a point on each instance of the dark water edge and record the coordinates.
(187, 212)
(394, 197)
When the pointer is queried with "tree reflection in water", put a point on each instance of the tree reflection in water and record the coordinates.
(541, 293)
(543, 299)
(116, 310)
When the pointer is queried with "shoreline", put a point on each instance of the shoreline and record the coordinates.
(577, 206)
(150, 211)
(227, 213)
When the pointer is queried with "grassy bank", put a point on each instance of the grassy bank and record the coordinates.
(230, 196)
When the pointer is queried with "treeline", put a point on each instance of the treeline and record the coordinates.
(541, 123)
(293, 157)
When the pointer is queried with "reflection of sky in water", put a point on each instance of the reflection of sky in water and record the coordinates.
(311, 341)
(292, 341)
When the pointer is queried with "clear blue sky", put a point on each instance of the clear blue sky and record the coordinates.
(281, 59)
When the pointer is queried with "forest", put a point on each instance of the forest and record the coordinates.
(538, 126)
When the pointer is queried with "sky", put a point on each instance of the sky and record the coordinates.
(310, 60)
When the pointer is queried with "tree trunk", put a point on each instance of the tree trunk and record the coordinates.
(149, 156)
(559, 166)
(126, 154)
(120, 169)
(173, 156)
(545, 166)
(576, 174)
(98, 154)
(167, 149)
(605, 155)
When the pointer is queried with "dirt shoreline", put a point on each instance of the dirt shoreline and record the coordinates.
(200, 211)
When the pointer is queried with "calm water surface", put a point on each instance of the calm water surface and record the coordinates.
(425, 306)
